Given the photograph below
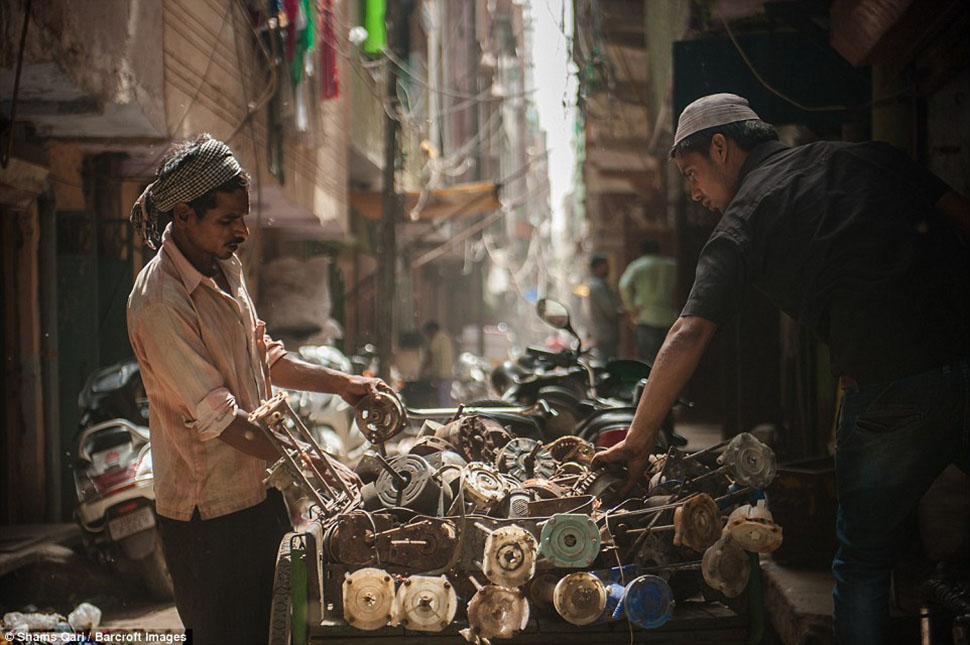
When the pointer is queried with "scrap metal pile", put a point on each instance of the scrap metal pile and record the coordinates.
(468, 523)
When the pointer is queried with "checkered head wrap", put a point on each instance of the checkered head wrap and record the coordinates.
(192, 171)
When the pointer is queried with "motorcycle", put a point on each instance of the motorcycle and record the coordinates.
(594, 402)
(471, 379)
(114, 480)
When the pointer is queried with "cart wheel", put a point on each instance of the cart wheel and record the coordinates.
(280, 611)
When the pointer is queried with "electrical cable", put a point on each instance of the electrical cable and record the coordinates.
(5, 153)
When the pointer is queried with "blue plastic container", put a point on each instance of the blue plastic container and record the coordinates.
(648, 602)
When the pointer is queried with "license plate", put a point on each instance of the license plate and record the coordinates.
(122, 527)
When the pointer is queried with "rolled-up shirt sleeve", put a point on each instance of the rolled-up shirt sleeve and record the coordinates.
(719, 283)
(170, 348)
(275, 350)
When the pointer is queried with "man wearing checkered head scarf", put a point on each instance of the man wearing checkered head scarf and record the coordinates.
(206, 362)
(868, 250)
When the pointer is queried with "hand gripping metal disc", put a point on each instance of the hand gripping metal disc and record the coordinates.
(580, 598)
(569, 540)
(726, 566)
(649, 601)
(380, 416)
(525, 458)
(368, 598)
(483, 485)
(697, 523)
(510, 556)
(754, 528)
(752, 463)
(496, 612)
(425, 603)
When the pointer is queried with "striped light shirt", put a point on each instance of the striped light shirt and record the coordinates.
(203, 355)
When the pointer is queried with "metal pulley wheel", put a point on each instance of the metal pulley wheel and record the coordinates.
(580, 598)
(380, 416)
(425, 603)
(368, 598)
(754, 528)
(572, 448)
(509, 559)
(726, 566)
(524, 459)
(496, 612)
(483, 485)
(697, 523)
(413, 487)
(751, 462)
(648, 602)
(605, 484)
(569, 540)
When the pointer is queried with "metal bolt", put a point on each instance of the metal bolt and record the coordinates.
(447, 585)
(407, 583)
(387, 578)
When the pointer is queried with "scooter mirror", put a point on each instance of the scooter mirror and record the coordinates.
(553, 313)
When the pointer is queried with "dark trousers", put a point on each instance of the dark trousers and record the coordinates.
(223, 568)
(893, 440)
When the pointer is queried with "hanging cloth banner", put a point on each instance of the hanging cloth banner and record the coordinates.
(329, 75)
(374, 13)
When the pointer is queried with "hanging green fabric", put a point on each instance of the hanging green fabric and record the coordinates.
(303, 43)
(374, 22)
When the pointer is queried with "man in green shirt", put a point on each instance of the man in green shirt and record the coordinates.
(647, 290)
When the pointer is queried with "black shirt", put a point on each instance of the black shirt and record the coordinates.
(845, 239)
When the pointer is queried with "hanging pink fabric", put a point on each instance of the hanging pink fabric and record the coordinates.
(329, 74)
(292, 8)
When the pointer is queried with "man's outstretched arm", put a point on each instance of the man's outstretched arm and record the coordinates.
(675, 364)
(294, 374)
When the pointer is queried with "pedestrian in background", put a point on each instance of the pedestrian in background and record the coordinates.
(439, 361)
(647, 289)
(604, 309)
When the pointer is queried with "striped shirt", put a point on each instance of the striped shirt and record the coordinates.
(203, 355)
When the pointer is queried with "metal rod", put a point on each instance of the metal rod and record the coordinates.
(399, 479)
(320, 451)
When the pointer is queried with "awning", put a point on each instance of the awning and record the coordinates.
(455, 201)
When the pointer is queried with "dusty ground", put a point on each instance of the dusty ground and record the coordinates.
(65, 578)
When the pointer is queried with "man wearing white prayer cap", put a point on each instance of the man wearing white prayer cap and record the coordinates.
(868, 250)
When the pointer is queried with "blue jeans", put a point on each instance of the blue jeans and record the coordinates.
(893, 440)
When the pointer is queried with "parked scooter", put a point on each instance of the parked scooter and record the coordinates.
(114, 480)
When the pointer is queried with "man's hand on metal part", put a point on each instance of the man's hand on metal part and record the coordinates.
(632, 451)
(356, 388)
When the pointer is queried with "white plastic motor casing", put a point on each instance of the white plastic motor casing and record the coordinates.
(510, 556)
(496, 612)
(754, 528)
(580, 598)
(424, 603)
(368, 598)
(726, 566)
